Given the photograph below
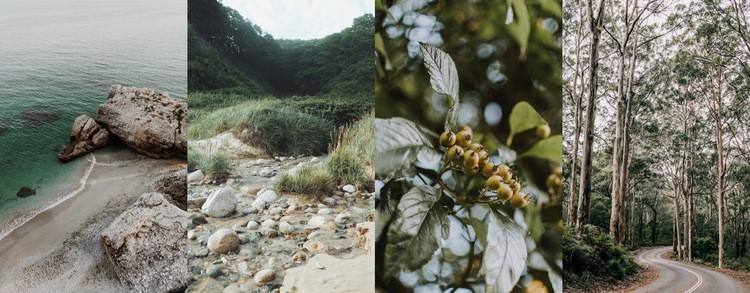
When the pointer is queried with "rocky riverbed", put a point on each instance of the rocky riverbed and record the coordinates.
(245, 237)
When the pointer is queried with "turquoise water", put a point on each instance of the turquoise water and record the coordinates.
(57, 61)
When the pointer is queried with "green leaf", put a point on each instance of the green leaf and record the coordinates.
(549, 149)
(443, 78)
(400, 143)
(523, 117)
(414, 235)
(520, 27)
(505, 255)
(480, 229)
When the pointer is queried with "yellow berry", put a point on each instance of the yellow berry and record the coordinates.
(466, 128)
(515, 185)
(494, 182)
(518, 200)
(470, 169)
(504, 172)
(448, 139)
(503, 191)
(557, 170)
(542, 131)
(455, 153)
(489, 169)
(463, 138)
(471, 158)
(477, 147)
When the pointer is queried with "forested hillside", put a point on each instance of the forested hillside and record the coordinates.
(231, 54)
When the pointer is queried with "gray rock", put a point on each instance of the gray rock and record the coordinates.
(195, 176)
(317, 221)
(268, 232)
(220, 203)
(266, 172)
(85, 136)
(264, 277)
(349, 188)
(224, 241)
(233, 288)
(213, 271)
(324, 211)
(203, 238)
(146, 245)
(252, 225)
(275, 211)
(244, 269)
(342, 218)
(314, 160)
(200, 251)
(329, 201)
(264, 198)
(174, 185)
(152, 124)
(309, 210)
(286, 228)
(268, 223)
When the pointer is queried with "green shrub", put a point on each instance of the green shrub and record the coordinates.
(309, 179)
(352, 157)
(595, 256)
(216, 165)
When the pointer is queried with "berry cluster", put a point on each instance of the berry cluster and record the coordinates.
(472, 158)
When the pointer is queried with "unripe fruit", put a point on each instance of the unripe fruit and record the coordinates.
(455, 153)
(515, 186)
(490, 169)
(477, 147)
(471, 158)
(542, 131)
(504, 172)
(448, 139)
(470, 170)
(503, 191)
(494, 182)
(517, 200)
(463, 138)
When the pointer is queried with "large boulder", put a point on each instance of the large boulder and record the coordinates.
(220, 203)
(146, 245)
(85, 136)
(152, 124)
(174, 185)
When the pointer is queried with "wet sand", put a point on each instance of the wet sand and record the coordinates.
(58, 250)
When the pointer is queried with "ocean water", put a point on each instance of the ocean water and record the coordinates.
(58, 59)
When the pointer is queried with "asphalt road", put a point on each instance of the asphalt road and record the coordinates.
(682, 277)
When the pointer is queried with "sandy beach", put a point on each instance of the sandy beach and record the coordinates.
(59, 249)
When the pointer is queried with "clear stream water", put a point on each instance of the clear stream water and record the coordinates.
(58, 59)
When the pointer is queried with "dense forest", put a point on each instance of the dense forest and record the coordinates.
(229, 53)
(656, 128)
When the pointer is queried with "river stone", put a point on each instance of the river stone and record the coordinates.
(146, 245)
(349, 188)
(196, 175)
(264, 198)
(224, 241)
(220, 203)
(264, 277)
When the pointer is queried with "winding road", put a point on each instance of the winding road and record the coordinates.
(682, 277)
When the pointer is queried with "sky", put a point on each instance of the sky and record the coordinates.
(301, 19)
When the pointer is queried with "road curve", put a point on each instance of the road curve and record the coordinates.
(682, 277)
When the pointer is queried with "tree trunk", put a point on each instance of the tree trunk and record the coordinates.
(595, 26)
(677, 245)
(577, 103)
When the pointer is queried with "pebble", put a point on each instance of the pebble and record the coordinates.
(252, 225)
(244, 269)
(309, 210)
(329, 201)
(342, 218)
(268, 232)
(268, 224)
(264, 277)
(317, 221)
(324, 211)
(349, 188)
(286, 228)
(214, 271)
(232, 289)
(275, 211)
(200, 251)
(224, 241)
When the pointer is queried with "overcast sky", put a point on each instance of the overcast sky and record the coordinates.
(301, 19)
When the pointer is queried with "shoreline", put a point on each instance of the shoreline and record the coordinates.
(59, 248)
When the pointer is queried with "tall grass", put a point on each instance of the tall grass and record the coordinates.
(215, 165)
(268, 124)
(309, 179)
(351, 159)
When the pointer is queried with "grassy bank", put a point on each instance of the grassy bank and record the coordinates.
(595, 258)
(350, 161)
